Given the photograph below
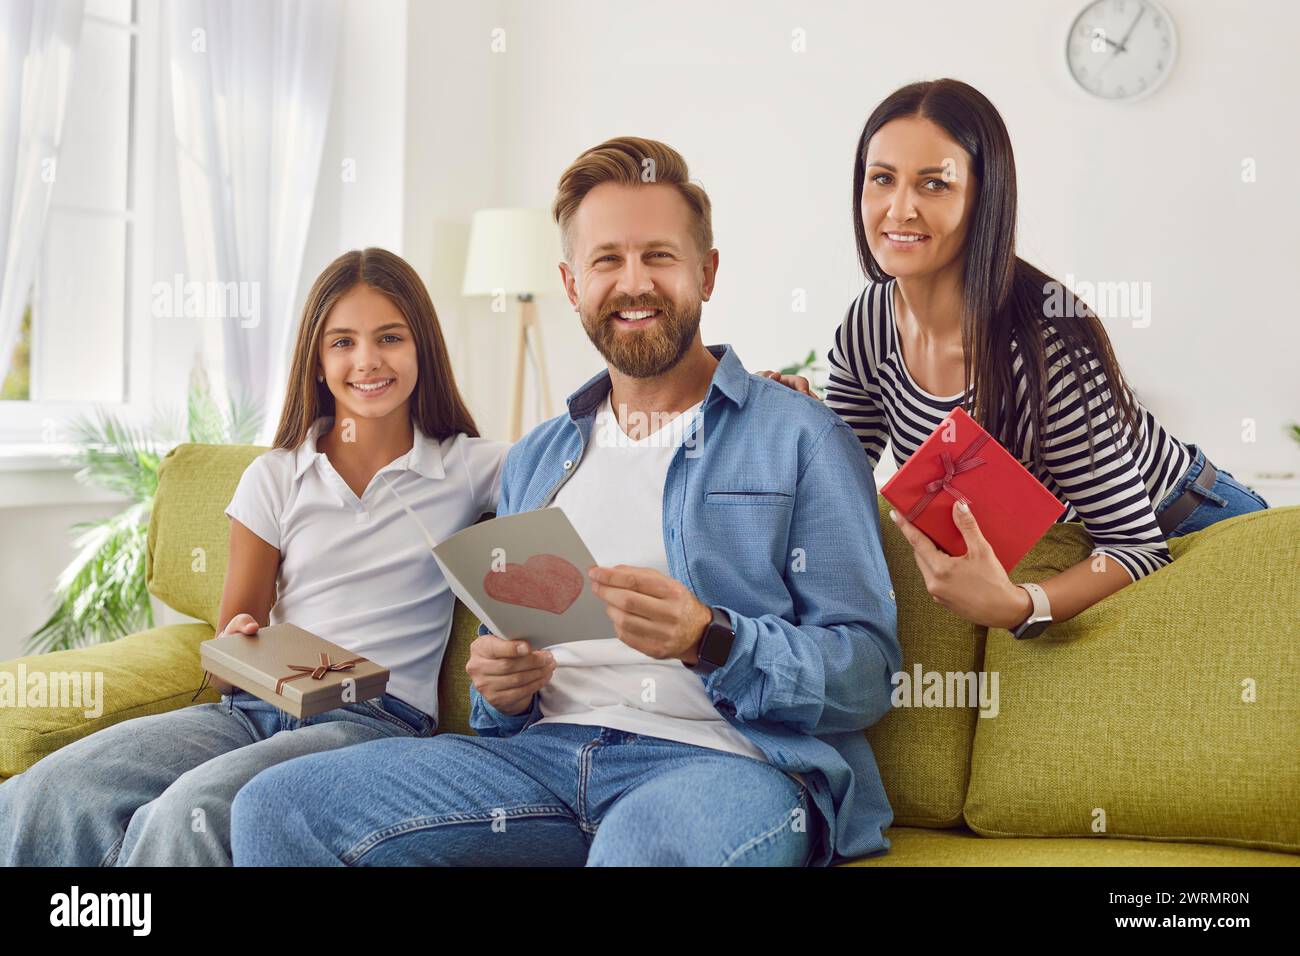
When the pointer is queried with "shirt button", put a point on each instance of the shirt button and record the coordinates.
(568, 465)
(363, 517)
(891, 594)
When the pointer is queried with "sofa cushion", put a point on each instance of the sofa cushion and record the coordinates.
(1167, 711)
(189, 533)
(453, 682)
(146, 673)
(924, 752)
(960, 847)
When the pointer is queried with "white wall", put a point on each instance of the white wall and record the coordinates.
(439, 125)
(1148, 191)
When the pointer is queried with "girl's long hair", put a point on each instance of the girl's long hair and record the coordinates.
(1004, 297)
(437, 408)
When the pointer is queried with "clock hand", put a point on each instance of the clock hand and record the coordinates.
(1130, 29)
(1120, 47)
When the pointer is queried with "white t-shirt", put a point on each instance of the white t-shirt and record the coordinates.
(615, 501)
(358, 572)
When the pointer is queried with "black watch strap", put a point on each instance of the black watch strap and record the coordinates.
(715, 645)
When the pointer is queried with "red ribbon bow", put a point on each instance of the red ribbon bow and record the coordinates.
(318, 672)
(951, 469)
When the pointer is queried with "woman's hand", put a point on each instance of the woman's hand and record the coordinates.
(796, 382)
(974, 586)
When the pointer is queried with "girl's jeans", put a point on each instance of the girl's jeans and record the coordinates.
(552, 795)
(157, 790)
(1226, 499)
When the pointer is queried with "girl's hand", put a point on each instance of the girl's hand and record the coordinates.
(974, 586)
(242, 624)
(239, 624)
(796, 382)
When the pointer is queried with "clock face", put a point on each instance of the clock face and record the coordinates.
(1121, 49)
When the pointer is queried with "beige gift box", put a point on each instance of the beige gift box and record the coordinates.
(293, 669)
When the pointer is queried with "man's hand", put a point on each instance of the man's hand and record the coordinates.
(653, 613)
(508, 673)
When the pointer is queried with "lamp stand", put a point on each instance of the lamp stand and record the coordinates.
(526, 324)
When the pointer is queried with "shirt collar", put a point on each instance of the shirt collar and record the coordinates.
(425, 456)
(730, 379)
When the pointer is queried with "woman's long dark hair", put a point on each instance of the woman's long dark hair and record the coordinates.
(437, 408)
(1004, 298)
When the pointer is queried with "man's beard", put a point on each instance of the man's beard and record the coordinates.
(644, 353)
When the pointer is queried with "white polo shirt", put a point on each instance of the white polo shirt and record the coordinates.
(357, 571)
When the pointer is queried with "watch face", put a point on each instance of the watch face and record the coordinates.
(716, 646)
(1033, 630)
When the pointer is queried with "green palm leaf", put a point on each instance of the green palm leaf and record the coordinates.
(102, 595)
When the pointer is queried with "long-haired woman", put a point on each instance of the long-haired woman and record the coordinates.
(952, 316)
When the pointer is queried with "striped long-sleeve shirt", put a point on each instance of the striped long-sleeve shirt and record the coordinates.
(872, 390)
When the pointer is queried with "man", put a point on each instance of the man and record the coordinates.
(744, 578)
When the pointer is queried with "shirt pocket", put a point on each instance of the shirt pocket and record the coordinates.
(749, 499)
(746, 533)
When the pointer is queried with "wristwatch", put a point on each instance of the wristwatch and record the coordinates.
(1039, 617)
(715, 645)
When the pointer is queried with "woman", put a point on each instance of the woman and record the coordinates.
(318, 539)
(951, 316)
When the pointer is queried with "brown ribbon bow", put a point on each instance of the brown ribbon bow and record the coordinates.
(951, 469)
(316, 673)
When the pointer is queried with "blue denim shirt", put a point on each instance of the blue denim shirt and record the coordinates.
(769, 512)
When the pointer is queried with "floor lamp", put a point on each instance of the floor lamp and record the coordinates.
(515, 253)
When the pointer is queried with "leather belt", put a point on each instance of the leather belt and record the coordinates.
(1173, 516)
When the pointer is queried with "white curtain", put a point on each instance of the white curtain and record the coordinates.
(38, 45)
(251, 84)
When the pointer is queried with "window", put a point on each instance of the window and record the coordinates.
(76, 345)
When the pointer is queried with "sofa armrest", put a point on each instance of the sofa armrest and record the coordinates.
(50, 700)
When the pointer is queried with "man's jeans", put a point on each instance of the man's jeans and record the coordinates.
(554, 794)
(156, 791)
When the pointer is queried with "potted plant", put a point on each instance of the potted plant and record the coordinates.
(101, 595)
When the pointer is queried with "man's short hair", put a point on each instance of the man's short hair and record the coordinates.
(630, 161)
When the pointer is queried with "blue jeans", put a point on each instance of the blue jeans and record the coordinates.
(552, 795)
(1226, 499)
(156, 790)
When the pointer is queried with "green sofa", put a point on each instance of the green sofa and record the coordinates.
(1160, 727)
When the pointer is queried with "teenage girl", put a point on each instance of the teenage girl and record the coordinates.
(319, 538)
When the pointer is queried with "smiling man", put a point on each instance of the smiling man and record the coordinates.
(756, 627)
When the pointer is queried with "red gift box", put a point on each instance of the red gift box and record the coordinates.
(961, 461)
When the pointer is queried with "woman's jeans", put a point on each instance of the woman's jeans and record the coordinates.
(156, 791)
(552, 795)
(1226, 499)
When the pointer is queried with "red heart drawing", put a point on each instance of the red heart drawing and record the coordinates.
(546, 582)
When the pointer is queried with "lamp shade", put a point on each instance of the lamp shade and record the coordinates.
(515, 251)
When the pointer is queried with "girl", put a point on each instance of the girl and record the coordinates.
(950, 316)
(317, 538)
